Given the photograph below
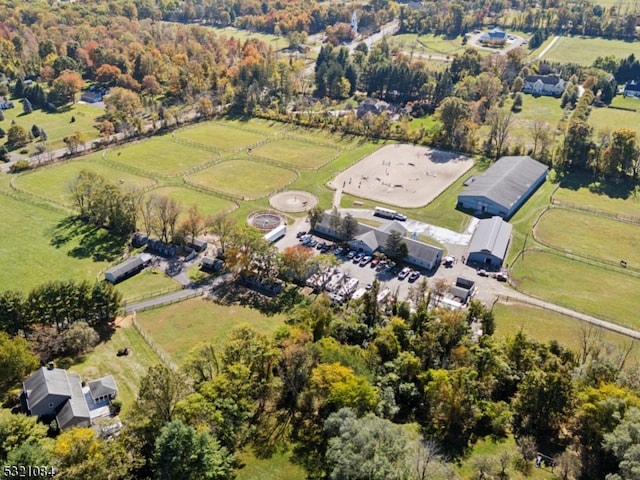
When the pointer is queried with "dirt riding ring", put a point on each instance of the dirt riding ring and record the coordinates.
(266, 220)
(293, 201)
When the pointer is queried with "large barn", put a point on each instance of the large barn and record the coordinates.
(504, 187)
(490, 242)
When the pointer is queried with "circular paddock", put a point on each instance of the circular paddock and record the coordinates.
(403, 175)
(293, 201)
(266, 220)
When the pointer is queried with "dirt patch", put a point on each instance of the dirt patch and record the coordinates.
(403, 175)
(293, 201)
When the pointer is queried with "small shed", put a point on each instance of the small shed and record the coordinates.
(490, 242)
(198, 245)
(139, 239)
(211, 264)
(124, 270)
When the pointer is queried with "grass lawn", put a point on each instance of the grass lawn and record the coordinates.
(590, 235)
(626, 102)
(127, 370)
(543, 108)
(39, 244)
(207, 204)
(611, 119)
(275, 41)
(220, 136)
(56, 125)
(52, 182)
(545, 325)
(256, 125)
(145, 284)
(243, 178)
(297, 153)
(429, 123)
(160, 156)
(595, 291)
(427, 44)
(278, 467)
(177, 333)
(584, 51)
(583, 189)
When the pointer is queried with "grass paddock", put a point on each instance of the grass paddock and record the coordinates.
(208, 205)
(299, 154)
(220, 136)
(584, 51)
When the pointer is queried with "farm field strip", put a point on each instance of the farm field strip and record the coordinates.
(584, 51)
(299, 154)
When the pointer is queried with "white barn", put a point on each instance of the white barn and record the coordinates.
(490, 242)
(504, 187)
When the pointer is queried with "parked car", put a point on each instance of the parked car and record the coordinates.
(390, 266)
(351, 254)
(313, 243)
(414, 275)
(501, 277)
(375, 262)
(338, 251)
(366, 259)
(482, 273)
(301, 234)
(403, 273)
(358, 257)
(320, 246)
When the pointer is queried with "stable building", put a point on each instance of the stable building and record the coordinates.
(127, 268)
(504, 187)
(490, 242)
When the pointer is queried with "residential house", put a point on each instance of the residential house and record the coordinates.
(494, 37)
(632, 89)
(544, 85)
(5, 104)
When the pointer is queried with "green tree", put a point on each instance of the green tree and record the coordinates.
(315, 216)
(18, 429)
(348, 227)
(577, 143)
(182, 452)
(395, 246)
(16, 361)
(17, 136)
(337, 386)
(65, 87)
(624, 442)
(80, 338)
(455, 115)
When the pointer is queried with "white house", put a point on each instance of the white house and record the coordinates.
(632, 89)
(544, 85)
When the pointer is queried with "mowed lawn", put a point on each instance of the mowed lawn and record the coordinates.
(582, 287)
(28, 256)
(243, 178)
(427, 44)
(56, 125)
(127, 370)
(53, 182)
(220, 136)
(590, 235)
(145, 284)
(584, 51)
(622, 198)
(208, 205)
(544, 326)
(178, 328)
(612, 119)
(277, 467)
(160, 156)
(297, 153)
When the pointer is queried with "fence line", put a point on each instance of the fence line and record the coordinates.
(596, 212)
(146, 296)
(161, 354)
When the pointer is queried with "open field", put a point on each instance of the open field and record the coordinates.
(127, 370)
(53, 182)
(146, 283)
(611, 119)
(177, 333)
(244, 35)
(243, 178)
(582, 287)
(299, 154)
(56, 125)
(160, 156)
(207, 204)
(545, 326)
(403, 175)
(39, 244)
(626, 102)
(618, 198)
(277, 467)
(590, 235)
(584, 51)
(220, 136)
(427, 44)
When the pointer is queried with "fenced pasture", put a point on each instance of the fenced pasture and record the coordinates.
(177, 333)
(298, 154)
(584, 51)
(146, 283)
(208, 205)
(220, 136)
(612, 118)
(53, 182)
(159, 156)
(242, 178)
(428, 44)
(605, 293)
(590, 235)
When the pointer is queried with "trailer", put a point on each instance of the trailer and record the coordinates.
(276, 234)
(385, 213)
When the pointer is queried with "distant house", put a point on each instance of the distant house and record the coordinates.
(490, 242)
(504, 187)
(127, 268)
(211, 264)
(5, 104)
(161, 248)
(53, 393)
(632, 89)
(91, 96)
(375, 107)
(544, 85)
(198, 245)
(494, 37)
(139, 239)
(370, 239)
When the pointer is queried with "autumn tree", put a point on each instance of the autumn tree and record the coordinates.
(122, 104)
(65, 87)
(107, 74)
(16, 361)
(222, 226)
(194, 223)
(295, 262)
(500, 122)
(17, 136)
(455, 115)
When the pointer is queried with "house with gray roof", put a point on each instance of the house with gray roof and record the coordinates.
(53, 393)
(490, 242)
(504, 187)
(544, 85)
(126, 269)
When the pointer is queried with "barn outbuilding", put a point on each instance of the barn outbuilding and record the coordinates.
(127, 268)
(490, 242)
(504, 187)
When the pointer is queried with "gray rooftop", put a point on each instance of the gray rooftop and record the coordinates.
(45, 382)
(103, 386)
(76, 408)
(491, 236)
(507, 180)
(125, 267)
(394, 225)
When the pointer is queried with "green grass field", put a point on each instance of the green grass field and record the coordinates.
(177, 333)
(584, 51)
(585, 288)
(427, 44)
(277, 467)
(299, 154)
(610, 119)
(38, 245)
(545, 326)
(160, 156)
(146, 284)
(590, 235)
(53, 182)
(127, 370)
(208, 205)
(243, 178)
(56, 125)
(220, 136)
(618, 198)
